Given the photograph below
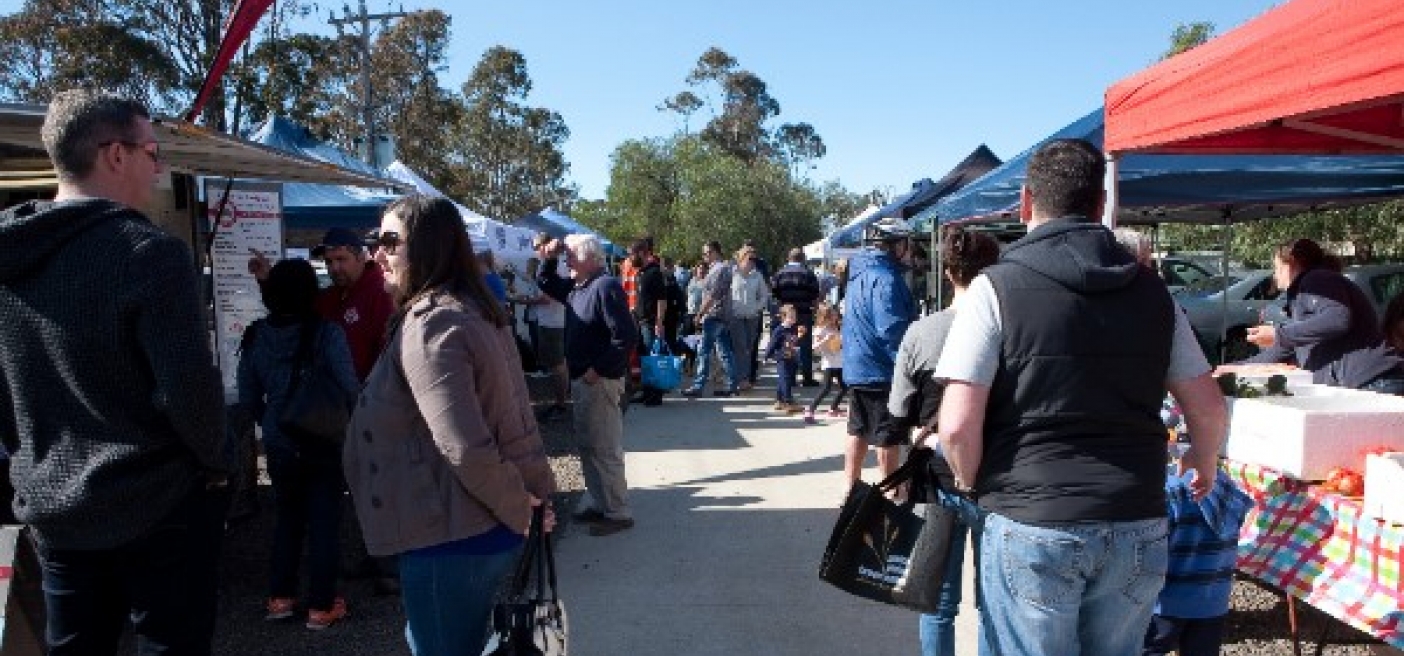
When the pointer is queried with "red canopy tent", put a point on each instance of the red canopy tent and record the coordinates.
(1310, 76)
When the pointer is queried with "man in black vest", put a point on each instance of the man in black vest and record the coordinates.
(1057, 364)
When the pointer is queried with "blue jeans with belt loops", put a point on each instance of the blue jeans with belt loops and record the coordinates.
(1083, 588)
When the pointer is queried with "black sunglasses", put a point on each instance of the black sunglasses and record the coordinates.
(388, 240)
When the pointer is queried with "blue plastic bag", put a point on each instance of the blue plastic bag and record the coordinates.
(661, 370)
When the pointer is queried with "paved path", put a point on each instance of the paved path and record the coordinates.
(734, 504)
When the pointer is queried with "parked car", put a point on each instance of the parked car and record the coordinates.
(1221, 308)
(1179, 272)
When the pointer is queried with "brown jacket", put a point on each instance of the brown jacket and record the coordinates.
(443, 444)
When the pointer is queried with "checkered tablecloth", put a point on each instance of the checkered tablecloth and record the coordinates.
(1317, 547)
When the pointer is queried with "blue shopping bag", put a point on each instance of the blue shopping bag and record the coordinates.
(662, 370)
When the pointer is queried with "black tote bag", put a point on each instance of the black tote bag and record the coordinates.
(893, 552)
(528, 623)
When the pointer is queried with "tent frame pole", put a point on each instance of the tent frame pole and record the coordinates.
(1113, 195)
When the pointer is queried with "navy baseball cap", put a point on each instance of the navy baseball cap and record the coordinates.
(338, 237)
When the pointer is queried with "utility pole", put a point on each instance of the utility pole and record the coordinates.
(363, 19)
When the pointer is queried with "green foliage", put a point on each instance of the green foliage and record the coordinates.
(735, 180)
(685, 190)
(507, 158)
(1363, 234)
(1189, 35)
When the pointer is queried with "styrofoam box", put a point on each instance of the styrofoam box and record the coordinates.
(1384, 487)
(1317, 429)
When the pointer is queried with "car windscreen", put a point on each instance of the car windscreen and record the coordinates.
(1208, 286)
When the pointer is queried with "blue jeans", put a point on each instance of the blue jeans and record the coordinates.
(307, 492)
(165, 581)
(1085, 588)
(448, 600)
(937, 629)
(715, 336)
(785, 380)
(745, 336)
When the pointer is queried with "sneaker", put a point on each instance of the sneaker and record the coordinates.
(692, 393)
(280, 608)
(809, 418)
(608, 526)
(321, 619)
(792, 408)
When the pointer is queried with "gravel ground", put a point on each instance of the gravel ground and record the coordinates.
(1257, 623)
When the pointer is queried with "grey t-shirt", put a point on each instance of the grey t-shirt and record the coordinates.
(718, 289)
(973, 345)
(920, 351)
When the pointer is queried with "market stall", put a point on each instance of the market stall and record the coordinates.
(1320, 547)
(1321, 77)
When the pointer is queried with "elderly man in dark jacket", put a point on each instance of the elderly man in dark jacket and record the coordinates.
(600, 333)
(109, 400)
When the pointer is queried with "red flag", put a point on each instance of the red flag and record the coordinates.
(242, 22)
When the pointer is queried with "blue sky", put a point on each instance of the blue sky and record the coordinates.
(899, 90)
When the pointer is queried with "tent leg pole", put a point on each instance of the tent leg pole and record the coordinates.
(1113, 196)
(1224, 269)
(939, 268)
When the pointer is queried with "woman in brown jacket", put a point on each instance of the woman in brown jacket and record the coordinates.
(443, 456)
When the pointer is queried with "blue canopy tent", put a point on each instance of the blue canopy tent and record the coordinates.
(558, 224)
(319, 206)
(1206, 189)
(924, 194)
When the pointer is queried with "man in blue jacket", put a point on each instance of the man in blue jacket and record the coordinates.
(599, 335)
(877, 311)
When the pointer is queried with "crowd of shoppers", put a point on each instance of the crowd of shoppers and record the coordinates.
(1039, 389)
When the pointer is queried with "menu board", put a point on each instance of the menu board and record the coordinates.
(252, 220)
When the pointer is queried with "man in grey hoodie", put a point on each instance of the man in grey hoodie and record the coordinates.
(109, 400)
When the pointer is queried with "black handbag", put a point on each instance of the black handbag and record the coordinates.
(888, 551)
(317, 408)
(528, 623)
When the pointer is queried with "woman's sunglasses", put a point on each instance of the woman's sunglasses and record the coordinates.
(388, 241)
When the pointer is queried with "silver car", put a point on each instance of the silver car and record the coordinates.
(1221, 318)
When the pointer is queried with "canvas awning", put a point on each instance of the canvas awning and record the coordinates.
(1310, 76)
(185, 147)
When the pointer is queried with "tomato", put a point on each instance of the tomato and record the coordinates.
(1351, 484)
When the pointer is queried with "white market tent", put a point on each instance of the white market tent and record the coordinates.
(510, 244)
(825, 250)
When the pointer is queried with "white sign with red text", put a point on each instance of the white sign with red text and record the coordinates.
(252, 220)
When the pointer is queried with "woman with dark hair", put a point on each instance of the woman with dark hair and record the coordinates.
(306, 473)
(913, 402)
(1332, 329)
(443, 456)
